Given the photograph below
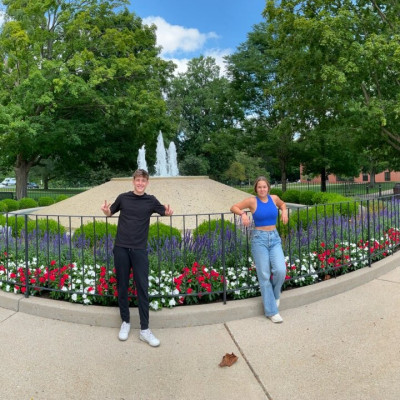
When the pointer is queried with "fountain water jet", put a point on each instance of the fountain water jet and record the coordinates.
(141, 160)
(166, 162)
(161, 157)
(172, 162)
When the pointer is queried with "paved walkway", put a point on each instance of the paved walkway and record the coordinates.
(338, 341)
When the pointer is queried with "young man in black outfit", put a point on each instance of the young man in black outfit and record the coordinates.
(130, 250)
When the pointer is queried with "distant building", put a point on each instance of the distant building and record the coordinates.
(385, 176)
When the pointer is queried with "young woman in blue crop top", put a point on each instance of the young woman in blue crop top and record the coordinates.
(266, 244)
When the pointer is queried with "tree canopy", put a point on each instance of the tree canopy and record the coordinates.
(80, 83)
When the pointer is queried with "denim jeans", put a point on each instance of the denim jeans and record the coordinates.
(268, 257)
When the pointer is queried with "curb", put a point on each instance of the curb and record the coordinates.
(196, 315)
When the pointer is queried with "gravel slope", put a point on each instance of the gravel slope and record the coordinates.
(186, 196)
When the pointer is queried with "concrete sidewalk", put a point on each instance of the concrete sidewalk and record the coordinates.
(341, 345)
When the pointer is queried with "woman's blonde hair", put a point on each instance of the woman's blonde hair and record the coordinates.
(259, 179)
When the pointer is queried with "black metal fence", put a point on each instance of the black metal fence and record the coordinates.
(36, 194)
(348, 189)
(193, 258)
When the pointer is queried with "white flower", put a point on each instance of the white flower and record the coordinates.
(172, 302)
(74, 297)
(154, 305)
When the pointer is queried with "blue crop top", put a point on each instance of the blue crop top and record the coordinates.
(266, 213)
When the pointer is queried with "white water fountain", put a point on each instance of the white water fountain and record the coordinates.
(161, 157)
(166, 163)
(141, 160)
(172, 163)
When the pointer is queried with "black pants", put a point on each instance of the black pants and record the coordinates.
(124, 260)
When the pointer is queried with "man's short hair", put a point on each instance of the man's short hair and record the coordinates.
(141, 173)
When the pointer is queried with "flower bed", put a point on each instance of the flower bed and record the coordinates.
(196, 268)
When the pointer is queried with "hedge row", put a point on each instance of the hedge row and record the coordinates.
(8, 205)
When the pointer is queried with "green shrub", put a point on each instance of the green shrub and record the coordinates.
(12, 205)
(301, 218)
(291, 196)
(306, 197)
(15, 222)
(160, 231)
(97, 229)
(320, 198)
(46, 201)
(248, 190)
(42, 226)
(61, 197)
(277, 192)
(27, 202)
(3, 207)
(214, 225)
(342, 205)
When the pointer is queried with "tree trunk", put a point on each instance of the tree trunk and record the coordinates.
(283, 179)
(372, 174)
(323, 180)
(22, 168)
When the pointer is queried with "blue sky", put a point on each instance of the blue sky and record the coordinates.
(188, 28)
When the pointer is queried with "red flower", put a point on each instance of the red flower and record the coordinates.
(53, 262)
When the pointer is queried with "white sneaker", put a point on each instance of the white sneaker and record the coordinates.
(148, 337)
(277, 302)
(124, 331)
(276, 319)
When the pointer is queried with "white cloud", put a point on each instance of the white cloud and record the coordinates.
(181, 64)
(217, 54)
(175, 39)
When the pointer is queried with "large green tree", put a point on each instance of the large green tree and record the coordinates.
(307, 39)
(202, 107)
(268, 128)
(80, 83)
(338, 60)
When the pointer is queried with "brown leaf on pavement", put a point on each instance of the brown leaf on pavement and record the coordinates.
(228, 360)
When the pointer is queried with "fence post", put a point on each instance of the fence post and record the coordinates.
(223, 255)
(380, 190)
(368, 234)
(26, 257)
